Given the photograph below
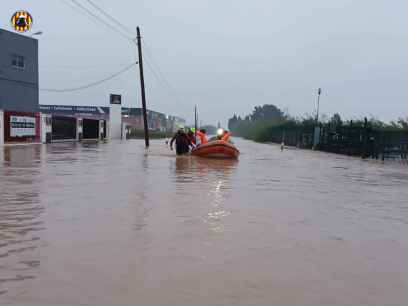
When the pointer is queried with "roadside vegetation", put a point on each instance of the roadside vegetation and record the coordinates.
(266, 121)
(135, 133)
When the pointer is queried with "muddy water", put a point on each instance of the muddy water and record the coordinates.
(109, 224)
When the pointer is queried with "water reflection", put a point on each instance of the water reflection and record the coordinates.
(197, 166)
(21, 155)
(217, 212)
(211, 178)
(77, 220)
(21, 213)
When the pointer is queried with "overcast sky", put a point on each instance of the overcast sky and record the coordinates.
(228, 56)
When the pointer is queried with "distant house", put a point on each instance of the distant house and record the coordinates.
(174, 123)
(155, 121)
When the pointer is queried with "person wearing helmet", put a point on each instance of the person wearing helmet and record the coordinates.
(220, 133)
(182, 142)
(191, 137)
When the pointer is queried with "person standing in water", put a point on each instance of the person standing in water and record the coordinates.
(182, 143)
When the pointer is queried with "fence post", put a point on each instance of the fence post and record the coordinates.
(365, 138)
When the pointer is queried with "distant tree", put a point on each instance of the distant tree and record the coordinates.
(377, 124)
(307, 120)
(394, 125)
(267, 122)
(324, 118)
(267, 112)
(232, 123)
(335, 121)
(403, 123)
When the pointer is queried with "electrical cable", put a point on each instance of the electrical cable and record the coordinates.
(110, 17)
(96, 17)
(35, 85)
(76, 9)
(160, 76)
(150, 55)
(91, 84)
(156, 76)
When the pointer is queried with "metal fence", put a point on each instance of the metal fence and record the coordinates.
(364, 141)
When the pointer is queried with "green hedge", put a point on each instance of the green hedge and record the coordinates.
(139, 134)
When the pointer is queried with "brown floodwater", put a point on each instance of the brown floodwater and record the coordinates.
(111, 224)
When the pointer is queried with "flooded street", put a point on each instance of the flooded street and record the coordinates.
(108, 224)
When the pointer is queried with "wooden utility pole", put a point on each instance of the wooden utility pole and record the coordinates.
(142, 88)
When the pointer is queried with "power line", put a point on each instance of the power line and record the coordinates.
(149, 53)
(76, 9)
(22, 83)
(156, 76)
(91, 84)
(160, 76)
(72, 67)
(35, 85)
(96, 17)
(110, 17)
(160, 80)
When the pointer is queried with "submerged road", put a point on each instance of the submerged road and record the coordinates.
(108, 224)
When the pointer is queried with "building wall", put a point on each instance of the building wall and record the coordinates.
(115, 121)
(1, 127)
(18, 85)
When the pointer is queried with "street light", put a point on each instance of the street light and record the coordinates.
(319, 92)
(36, 33)
(316, 136)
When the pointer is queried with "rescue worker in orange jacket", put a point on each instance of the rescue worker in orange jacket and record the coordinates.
(202, 134)
(226, 136)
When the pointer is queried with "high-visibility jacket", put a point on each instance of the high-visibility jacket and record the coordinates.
(202, 136)
(226, 136)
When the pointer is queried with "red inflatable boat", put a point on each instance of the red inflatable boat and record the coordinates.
(216, 149)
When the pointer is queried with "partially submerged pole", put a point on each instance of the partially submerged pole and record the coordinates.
(142, 88)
